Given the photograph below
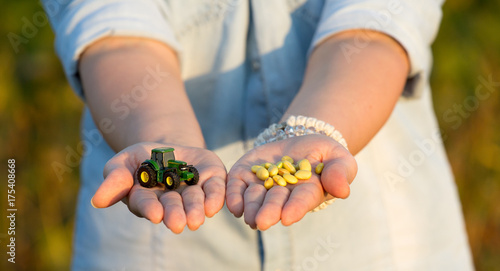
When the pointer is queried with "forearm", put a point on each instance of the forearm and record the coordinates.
(356, 94)
(135, 93)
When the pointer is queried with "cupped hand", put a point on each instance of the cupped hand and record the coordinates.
(187, 205)
(246, 194)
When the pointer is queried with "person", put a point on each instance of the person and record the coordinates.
(206, 78)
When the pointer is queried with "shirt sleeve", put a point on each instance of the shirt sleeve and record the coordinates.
(79, 23)
(413, 23)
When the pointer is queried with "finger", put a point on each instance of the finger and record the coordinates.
(337, 176)
(193, 199)
(252, 200)
(234, 196)
(116, 186)
(143, 202)
(174, 216)
(303, 198)
(270, 212)
(215, 190)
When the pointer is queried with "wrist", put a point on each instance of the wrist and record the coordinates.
(136, 130)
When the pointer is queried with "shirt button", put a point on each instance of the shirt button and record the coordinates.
(255, 65)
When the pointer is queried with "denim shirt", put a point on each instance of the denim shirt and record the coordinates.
(242, 63)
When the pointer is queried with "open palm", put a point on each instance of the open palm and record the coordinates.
(263, 208)
(187, 205)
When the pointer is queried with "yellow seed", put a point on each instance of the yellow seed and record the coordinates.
(319, 168)
(303, 174)
(269, 183)
(266, 165)
(282, 171)
(255, 168)
(262, 173)
(288, 166)
(289, 178)
(287, 158)
(304, 165)
(279, 180)
(279, 164)
(273, 170)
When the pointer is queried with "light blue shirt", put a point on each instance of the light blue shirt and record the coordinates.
(243, 62)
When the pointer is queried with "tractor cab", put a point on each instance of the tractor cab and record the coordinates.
(162, 156)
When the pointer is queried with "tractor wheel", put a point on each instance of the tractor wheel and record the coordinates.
(171, 180)
(146, 176)
(196, 177)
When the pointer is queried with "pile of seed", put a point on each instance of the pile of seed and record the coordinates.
(285, 171)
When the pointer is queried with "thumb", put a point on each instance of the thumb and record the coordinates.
(336, 177)
(117, 184)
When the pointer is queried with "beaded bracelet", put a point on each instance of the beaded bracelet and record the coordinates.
(299, 126)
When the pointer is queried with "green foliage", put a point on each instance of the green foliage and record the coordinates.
(465, 51)
(40, 123)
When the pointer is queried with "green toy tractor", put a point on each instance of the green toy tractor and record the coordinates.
(163, 168)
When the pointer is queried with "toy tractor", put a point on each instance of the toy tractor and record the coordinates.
(163, 168)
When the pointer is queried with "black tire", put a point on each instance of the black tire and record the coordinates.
(196, 177)
(171, 180)
(146, 176)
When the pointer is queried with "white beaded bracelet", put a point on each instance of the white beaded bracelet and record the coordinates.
(323, 205)
(299, 126)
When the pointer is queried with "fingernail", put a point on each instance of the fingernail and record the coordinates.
(92, 203)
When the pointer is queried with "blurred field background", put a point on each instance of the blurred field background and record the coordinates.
(39, 118)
